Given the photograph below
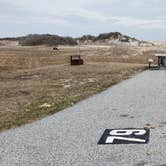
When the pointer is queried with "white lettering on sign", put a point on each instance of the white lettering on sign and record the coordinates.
(124, 136)
(112, 138)
(128, 132)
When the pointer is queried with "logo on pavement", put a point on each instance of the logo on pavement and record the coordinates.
(125, 136)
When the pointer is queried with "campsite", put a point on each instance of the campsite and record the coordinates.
(35, 75)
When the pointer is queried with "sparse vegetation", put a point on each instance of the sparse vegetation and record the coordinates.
(38, 81)
(55, 89)
(49, 40)
(53, 40)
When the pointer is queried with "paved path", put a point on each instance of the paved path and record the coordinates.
(69, 138)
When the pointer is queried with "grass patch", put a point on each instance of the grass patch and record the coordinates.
(47, 104)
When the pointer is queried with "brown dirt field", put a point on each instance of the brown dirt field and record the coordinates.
(38, 81)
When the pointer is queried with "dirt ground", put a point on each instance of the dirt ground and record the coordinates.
(39, 81)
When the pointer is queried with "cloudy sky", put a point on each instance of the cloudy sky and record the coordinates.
(144, 19)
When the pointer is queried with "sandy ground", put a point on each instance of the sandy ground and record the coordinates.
(25, 68)
(40, 74)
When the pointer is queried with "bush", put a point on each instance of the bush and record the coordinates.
(50, 40)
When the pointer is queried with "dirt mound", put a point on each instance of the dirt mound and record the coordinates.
(87, 37)
(113, 38)
(107, 38)
(46, 39)
(54, 40)
(112, 35)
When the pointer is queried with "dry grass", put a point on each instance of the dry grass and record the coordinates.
(37, 81)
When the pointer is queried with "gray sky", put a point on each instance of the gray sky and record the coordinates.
(143, 19)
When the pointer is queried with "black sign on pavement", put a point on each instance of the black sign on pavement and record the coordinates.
(125, 136)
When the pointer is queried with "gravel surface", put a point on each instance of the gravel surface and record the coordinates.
(69, 138)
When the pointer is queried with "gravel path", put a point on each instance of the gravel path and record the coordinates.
(69, 138)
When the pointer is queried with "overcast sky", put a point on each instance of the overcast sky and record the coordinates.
(143, 19)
